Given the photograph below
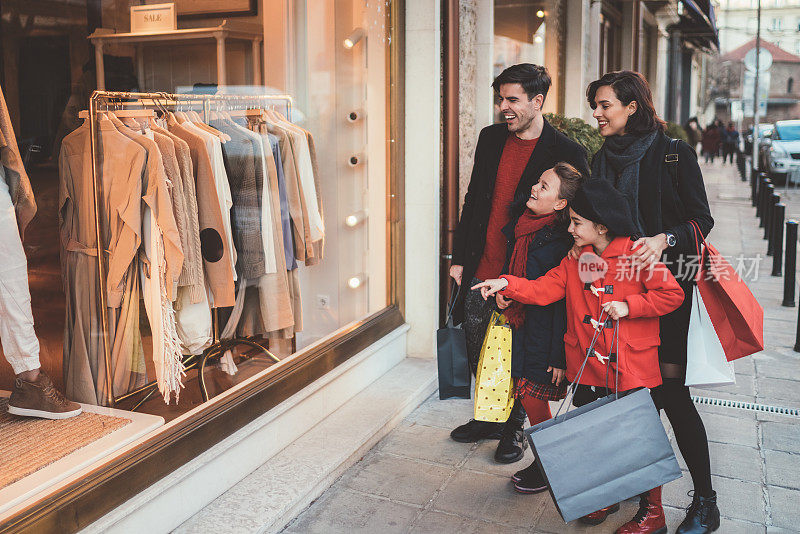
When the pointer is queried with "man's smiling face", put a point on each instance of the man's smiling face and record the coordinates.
(516, 109)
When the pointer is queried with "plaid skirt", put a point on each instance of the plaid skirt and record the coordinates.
(548, 392)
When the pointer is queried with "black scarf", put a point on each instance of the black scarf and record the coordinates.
(617, 162)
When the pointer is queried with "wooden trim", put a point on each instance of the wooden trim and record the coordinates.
(77, 505)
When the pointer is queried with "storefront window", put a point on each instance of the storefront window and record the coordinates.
(519, 33)
(284, 200)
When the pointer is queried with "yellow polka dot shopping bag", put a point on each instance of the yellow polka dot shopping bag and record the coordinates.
(494, 392)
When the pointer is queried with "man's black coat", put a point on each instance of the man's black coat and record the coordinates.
(470, 234)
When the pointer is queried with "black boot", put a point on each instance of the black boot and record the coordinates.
(702, 516)
(512, 443)
(476, 430)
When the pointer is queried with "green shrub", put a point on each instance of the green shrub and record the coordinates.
(578, 130)
(676, 131)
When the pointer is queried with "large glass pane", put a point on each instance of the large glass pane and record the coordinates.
(313, 264)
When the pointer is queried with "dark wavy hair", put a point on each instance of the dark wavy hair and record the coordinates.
(534, 79)
(630, 85)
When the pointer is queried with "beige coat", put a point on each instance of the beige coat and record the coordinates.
(19, 186)
(121, 165)
(215, 251)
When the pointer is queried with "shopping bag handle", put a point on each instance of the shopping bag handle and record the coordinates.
(701, 251)
(614, 342)
(452, 304)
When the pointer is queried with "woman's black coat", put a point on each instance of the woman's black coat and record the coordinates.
(667, 205)
(539, 343)
(470, 235)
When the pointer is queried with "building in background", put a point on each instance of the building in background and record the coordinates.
(780, 23)
(727, 83)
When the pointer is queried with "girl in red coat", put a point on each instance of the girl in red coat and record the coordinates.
(603, 284)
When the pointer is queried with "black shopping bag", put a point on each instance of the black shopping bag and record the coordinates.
(602, 453)
(454, 374)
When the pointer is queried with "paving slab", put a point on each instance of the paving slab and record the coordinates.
(438, 522)
(423, 442)
(490, 498)
(348, 511)
(397, 478)
(781, 436)
(783, 469)
(725, 428)
(784, 507)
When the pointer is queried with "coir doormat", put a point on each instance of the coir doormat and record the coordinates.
(28, 444)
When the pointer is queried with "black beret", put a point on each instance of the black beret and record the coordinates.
(598, 201)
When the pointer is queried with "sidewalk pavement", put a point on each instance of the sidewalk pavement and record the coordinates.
(418, 480)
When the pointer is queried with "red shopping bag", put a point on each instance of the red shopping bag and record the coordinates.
(737, 317)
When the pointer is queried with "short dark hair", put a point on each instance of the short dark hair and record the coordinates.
(630, 85)
(534, 79)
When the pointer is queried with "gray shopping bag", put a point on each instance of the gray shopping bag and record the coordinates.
(604, 452)
(454, 374)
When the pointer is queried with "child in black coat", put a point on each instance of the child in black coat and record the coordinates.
(538, 241)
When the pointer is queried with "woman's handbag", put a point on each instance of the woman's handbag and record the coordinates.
(455, 378)
(494, 391)
(706, 364)
(603, 452)
(737, 317)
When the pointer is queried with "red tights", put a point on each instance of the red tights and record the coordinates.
(538, 410)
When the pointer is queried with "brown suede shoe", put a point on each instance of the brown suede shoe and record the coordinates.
(40, 399)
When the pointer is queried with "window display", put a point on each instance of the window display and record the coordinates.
(212, 204)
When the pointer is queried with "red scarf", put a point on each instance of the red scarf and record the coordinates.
(527, 226)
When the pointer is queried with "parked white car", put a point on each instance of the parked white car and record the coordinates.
(783, 155)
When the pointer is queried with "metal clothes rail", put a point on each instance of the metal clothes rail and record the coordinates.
(160, 101)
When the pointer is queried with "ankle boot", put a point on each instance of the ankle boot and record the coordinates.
(650, 517)
(595, 518)
(702, 516)
(512, 441)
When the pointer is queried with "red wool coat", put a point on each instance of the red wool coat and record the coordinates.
(649, 294)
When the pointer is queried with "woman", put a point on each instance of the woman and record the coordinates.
(633, 159)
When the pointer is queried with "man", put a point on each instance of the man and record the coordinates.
(33, 394)
(730, 143)
(509, 159)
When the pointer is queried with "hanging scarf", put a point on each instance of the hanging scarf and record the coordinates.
(617, 162)
(527, 226)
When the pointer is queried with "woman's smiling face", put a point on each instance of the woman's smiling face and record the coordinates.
(611, 114)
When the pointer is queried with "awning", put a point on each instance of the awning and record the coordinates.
(700, 22)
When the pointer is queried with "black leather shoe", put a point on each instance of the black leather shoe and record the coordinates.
(476, 430)
(512, 443)
(702, 516)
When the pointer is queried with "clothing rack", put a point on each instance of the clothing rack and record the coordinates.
(116, 100)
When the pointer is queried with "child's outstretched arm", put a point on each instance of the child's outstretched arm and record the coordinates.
(548, 288)
(663, 293)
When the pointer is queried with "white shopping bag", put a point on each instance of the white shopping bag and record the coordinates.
(706, 364)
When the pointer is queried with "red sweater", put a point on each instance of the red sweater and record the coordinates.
(648, 295)
(516, 154)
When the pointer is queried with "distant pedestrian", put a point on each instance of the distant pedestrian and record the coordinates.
(730, 142)
(711, 142)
